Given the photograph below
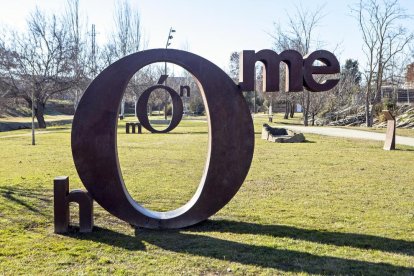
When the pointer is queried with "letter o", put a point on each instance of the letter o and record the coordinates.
(177, 112)
(230, 145)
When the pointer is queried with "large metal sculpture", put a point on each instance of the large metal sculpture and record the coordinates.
(231, 135)
(230, 147)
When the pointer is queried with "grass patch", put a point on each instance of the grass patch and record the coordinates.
(399, 131)
(329, 206)
(49, 118)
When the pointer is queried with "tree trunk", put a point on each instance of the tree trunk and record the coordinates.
(39, 113)
(287, 105)
(78, 94)
(292, 109)
(165, 111)
(378, 92)
(123, 107)
(313, 118)
(367, 111)
(306, 109)
(305, 118)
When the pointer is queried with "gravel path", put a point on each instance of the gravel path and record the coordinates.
(30, 133)
(350, 133)
(327, 131)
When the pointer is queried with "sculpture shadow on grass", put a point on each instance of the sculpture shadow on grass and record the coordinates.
(361, 241)
(109, 237)
(33, 200)
(190, 132)
(194, 241)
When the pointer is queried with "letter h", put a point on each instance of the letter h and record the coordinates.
(62, 198)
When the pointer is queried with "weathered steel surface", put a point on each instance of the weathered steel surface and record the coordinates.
(230, 146)
(184, 88)
(330, 67)
(390, 136)
(177, 109)
(271, 61)
(133, 126)
(162, 79)
(62, 198)
(299, 74)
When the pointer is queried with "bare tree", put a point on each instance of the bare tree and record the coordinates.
(384, 39)
(256, 98)
(234, 65)
(345, 97)
(299, 36)
(126, 39)
(39, 62)
(80, 57)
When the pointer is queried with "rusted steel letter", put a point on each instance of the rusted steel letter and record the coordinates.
(271, 61)
(331, 67)
(62, 198)
(186, 88)
(177, 109)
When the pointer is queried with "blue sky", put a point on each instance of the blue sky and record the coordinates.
(214, 28)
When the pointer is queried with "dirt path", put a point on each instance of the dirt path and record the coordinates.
(350, 133)
(30, 133)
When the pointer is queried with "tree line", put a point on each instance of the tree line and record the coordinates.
(387, 45)
(58, 56)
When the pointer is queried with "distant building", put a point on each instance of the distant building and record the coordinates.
(409, 77)
(401, 93)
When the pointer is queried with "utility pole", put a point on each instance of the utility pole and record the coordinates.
(93, 35)
(168, 43)
(33, 124)
(254, 102)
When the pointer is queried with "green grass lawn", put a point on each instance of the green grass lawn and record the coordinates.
(328, 206)
(297, 120)
(48, 118)
(399, 131)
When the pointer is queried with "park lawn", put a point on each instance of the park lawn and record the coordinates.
(48, 118)
(14, 124)
(328, 206)
(408, 132)
(297, 120)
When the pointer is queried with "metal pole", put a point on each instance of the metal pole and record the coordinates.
(33, 125)
(271, 105)
(254, 102)
(166, 46)
(93, 50)
(165, 65)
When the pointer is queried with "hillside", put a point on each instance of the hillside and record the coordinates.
(18, 116)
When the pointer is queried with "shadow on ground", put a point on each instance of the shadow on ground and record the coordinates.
(33, 200)
(194, 241)
(108, 237)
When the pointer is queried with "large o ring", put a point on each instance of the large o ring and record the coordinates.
(177, 109)
(230, 146)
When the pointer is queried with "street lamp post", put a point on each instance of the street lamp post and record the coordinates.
(168, 43)
(33, 124)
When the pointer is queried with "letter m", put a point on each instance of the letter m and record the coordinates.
(271, 73)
